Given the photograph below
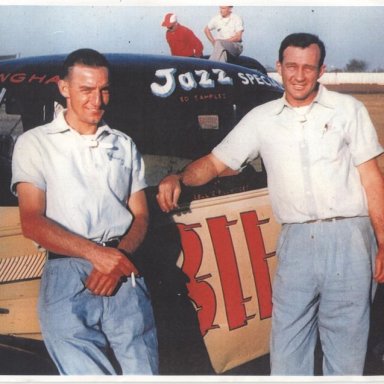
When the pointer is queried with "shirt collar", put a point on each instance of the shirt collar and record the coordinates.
(321, 98)
(227, 18)
(62, 126)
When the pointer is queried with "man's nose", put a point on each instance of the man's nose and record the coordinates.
(96, 98)
(299, 74)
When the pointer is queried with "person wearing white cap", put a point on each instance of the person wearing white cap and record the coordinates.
(229, 29)
(181, 40)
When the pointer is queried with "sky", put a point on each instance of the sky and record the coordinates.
(29, 28)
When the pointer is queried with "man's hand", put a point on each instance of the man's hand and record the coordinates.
(110, 261)
(108, 271)
(102, 284)
(197, 173)
(169, 193)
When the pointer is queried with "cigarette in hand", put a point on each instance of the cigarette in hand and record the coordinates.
(133, 280)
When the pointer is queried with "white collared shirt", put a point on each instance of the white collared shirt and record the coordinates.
(226, 27)
(87, 179)
(311, 158)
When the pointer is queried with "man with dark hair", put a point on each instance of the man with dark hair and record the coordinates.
(80, 186)
(85, 56)
(302, 40)
(320, 151)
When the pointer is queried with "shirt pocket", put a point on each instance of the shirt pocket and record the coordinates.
(332, 142)
(120, 177)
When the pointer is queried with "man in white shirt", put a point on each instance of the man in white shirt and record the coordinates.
(80, 186)
(320, 151)
(229, 29)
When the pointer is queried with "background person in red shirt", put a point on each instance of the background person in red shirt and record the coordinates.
(182, 41)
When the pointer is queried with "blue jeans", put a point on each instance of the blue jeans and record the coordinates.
(322, 286)
(82, 331)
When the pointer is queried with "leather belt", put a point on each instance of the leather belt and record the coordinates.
(330, 219)
(113, 243)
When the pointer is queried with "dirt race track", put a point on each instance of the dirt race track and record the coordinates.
(372, 96)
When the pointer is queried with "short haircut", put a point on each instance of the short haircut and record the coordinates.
(302, 40)
(83, 56)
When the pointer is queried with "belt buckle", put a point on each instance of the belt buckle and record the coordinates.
(113, 243)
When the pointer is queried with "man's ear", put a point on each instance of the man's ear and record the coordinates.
(278, 67)
(63, 88)
(322, 70)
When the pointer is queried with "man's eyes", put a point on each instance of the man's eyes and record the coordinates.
(87, 91)
(306, 68)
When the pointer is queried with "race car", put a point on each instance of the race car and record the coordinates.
(210, 263)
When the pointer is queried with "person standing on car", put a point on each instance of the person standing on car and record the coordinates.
(181, 40)
(320, 151)
(80, 186)
(229, 29)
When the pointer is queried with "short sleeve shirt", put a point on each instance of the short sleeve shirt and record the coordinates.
(311, 159)
(87, 179)
(226, 27)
